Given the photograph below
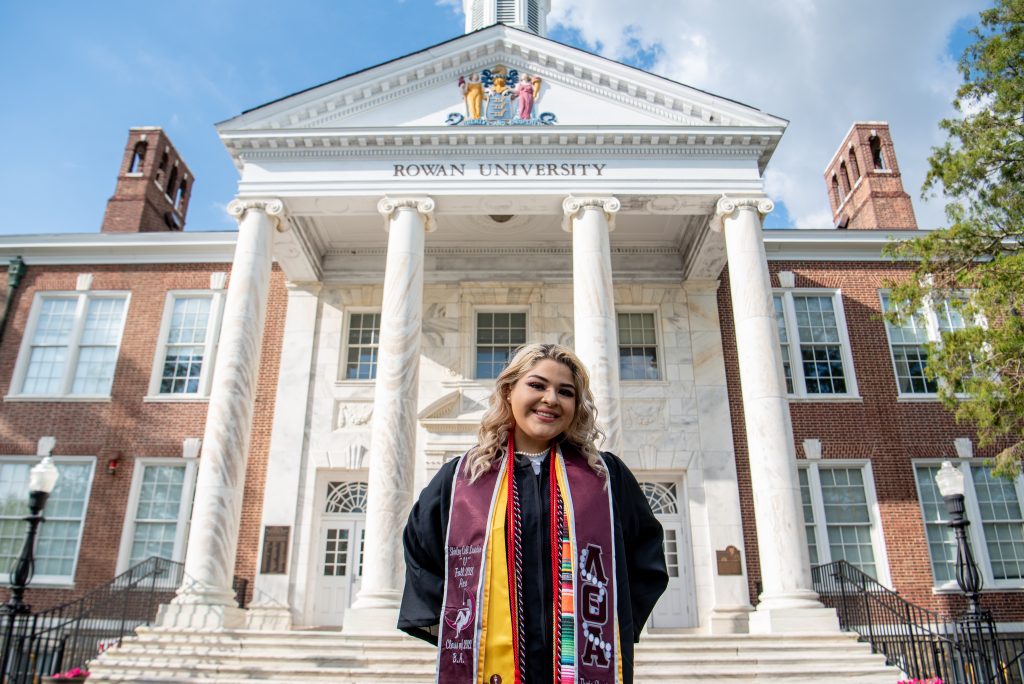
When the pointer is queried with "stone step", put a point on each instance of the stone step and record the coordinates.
(666, 654)
(230, 657)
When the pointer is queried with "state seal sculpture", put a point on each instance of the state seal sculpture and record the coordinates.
(500, 97)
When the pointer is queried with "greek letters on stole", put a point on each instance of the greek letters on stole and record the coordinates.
(464, 632)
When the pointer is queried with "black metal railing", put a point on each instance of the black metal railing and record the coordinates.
(922, 643)
(71, 634)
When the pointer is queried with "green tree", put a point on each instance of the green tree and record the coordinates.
(978, 260)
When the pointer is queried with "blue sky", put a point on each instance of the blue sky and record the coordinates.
(77, 75)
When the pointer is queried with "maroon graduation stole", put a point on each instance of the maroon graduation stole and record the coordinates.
(482, 640)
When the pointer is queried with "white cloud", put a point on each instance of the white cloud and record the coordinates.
(822, 65)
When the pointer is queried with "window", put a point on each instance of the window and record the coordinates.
(183, 366)
(71, 344)
(363, 339)
(173, 181)
(60, 538)
(162, 169)
(638, 347)
(839, 515)
(854, 165)
(997, 536)
(844, 176)
(815, 349)
(160, 504)
(498, 335)
(908, 342)
(663, 498)
(179, 195)
(138, 156)
(877, 160)
(835, 190)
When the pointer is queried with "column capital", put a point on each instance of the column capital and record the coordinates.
(572, 206)
(271, 206)
(727, 206)
(424, 206)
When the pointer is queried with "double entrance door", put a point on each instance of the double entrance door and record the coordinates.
(341, 538)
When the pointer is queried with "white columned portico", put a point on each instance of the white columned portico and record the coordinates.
(590, 220)
(393, 428)
(787, 602)
(206, 599)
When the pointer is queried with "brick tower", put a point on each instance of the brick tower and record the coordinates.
(153, 186)
(865, 189)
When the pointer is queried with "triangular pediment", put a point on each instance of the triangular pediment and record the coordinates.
(576, 89)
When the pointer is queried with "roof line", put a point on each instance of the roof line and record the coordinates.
(489, 28)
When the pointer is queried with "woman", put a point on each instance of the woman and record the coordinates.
(547, 575)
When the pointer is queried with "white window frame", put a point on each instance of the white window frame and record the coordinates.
(796, 364)
(874, 513)
(975, 531)
(343, 358)
(931, 321)
(191, 466)
(213, 324)
(477, 310)
(658, 342)
(64, 581)
(83, 298)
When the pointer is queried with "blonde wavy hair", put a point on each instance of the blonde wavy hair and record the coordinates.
(498, 420)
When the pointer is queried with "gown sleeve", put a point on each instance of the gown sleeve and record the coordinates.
(643, 539)
(424, 541)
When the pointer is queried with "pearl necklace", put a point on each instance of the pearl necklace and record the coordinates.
(543, 452)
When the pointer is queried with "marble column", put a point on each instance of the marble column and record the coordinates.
(270, 608)
(393, 427)
(206, 599)
(787, 602)
(590, 220)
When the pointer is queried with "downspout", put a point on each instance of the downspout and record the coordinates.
(15, 271)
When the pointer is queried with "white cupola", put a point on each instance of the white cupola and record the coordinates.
(528, 15)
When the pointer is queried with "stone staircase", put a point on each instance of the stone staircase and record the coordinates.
(176, 656)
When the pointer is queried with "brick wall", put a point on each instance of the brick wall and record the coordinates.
(126, 423)
(878, 427)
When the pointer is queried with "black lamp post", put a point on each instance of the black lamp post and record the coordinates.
(41, 481)
(976, 625)
(951, 485)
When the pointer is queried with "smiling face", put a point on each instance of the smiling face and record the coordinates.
(543, 404)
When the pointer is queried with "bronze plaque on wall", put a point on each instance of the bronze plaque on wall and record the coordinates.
(729, 562)
(275, 550)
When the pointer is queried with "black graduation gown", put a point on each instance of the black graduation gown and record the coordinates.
(640, 561)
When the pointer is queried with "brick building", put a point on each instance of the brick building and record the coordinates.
(318, 427)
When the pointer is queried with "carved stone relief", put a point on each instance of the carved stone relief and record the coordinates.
(353, 415)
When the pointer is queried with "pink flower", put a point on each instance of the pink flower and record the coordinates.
(73, 673)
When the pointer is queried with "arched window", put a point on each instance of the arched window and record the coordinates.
(179, 196)
(346, 497)
(173, 180)
(844, 176)
(854, 166)
(835, 190)
(138, 156)
(161, 170)
(876, 152)
(662, 497)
